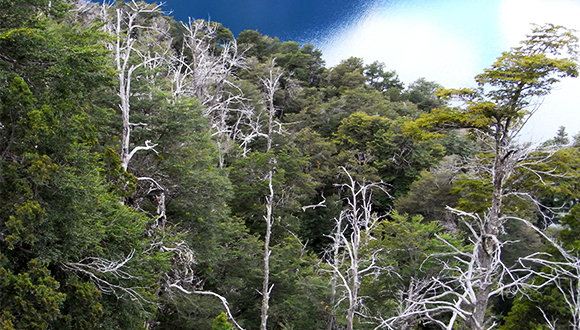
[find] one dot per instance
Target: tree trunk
(271, 85)
(266, 281)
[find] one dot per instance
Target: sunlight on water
(350, 20)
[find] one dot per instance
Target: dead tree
(348, 258)
(132, 50)
(135, 46)
(270, 84)
(106, 274)
(205, 70)
(561, 272)
(141, 51)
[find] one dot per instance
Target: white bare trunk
(266, 288)
(271, 85)
(207, 75)
(352, 233)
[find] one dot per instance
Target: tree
(495, 113)
(422, 93)
(298, 300)
(258, 46)
(271, 84)
(379, 145)
(134, 28)
(167, 168)
(204, 69)
(69, 251)
(553, 296)
(349, 74)
(257, 191)
(304, 63)
(381, 80)
(349, 257)
(221, 323)
(432, 193)
(408, 241)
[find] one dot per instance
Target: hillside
(156, 174)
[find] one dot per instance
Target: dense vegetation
(161, 175)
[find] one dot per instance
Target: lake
(296, 20)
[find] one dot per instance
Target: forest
(157, 174)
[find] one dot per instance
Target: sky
(446, 41)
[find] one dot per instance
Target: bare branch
(321, 204)
(213, 294)
(352, 234)
(99, 270)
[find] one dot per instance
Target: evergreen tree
(69, 251)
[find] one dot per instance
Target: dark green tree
(379, 147)
(71, 255)
(381, 80)
(423, 94)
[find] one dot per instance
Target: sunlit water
(297, 20)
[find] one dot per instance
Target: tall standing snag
(204, 69)
(271, 85)
(349, 264)
(146, 65)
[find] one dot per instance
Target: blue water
(297, 20)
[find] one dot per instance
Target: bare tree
(561, 272)
(271, 84)
(141, 50)
(106, 274)
(204, 70)
(139, 47)
(349, 257)
(222, 299)
(470, 277)
(133, 49)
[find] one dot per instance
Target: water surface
(297, 20)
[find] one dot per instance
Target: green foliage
(529, 309)
(18, 13)
(423, 93)
(299, 289)
(525, 313)
(403, 245)
(304, 63)
(349, 74)
(494, 113)
(221, 323)
(514, 80)
(56, 206)
(30, 300)
(571, 225)
(378, 144)
(255, 44)
(249, 186)
(65, 198)
(410, 241)
(381, 80)
(537, 65)
(429, 195)
(560, 140)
